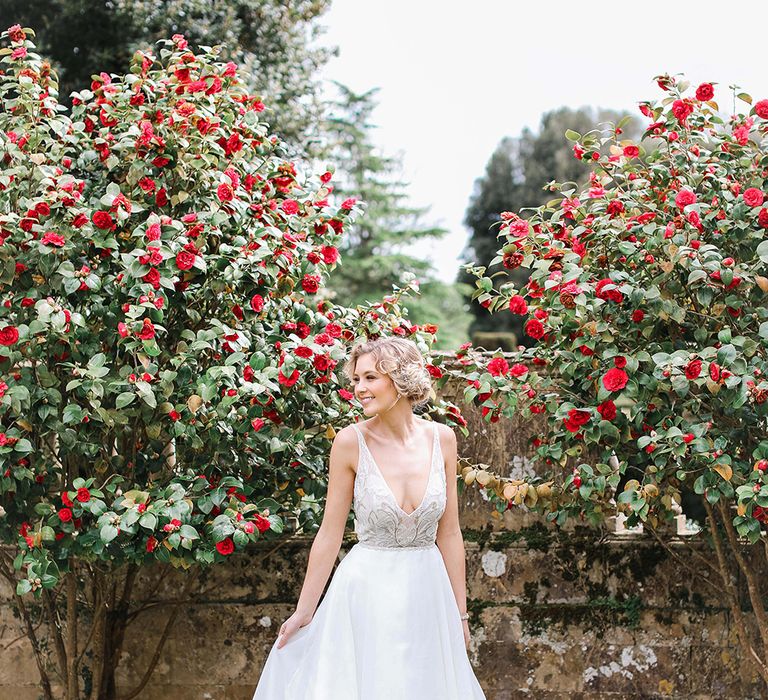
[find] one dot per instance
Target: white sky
(456, 77)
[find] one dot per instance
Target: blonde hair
(401, 360)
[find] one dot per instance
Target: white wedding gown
(388, 627)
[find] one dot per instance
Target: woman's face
(374, 390)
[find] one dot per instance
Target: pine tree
(374, 255)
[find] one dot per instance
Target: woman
(393, 622)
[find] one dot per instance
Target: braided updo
(401, 360)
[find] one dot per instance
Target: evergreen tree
(374, 255)
(516, 177)
(272, 40)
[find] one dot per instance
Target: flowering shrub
(647, 302)
(167, 356)
(168, 363)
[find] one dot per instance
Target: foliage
(168, 384)
(647, 299)
(274, 41)
(516, 178)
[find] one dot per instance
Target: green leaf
(762, 251)
(124, 398)
(148, 520)
(108, 533)
(189, 532)
(23, 587)
(572, 135)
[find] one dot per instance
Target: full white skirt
(388, 628)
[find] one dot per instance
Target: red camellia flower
(147, 331)
(681, 109)
(288, 381)
(753, 197)
(684, 198)
(103, 220)
(9, 335)
(534, 328)
(65, 515)
(257, 303)
(705, 92)
(714, 371)
(631, 151)
(290, 206)
(225, 547)
(151, 543)
(83, 495)
(310, 283)
(607, 410)
(498, 366)
(693, 370)
(330, 254)
(517, 305)
(614, 294)
(615, 379)
(518, 370)
(638, 315)
(225, 193)
(688, 437)
(576, 419)
(257, 424)
(761, 109)
(435, 372)
(347, 204)
(185, 260)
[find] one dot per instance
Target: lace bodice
(379, 521)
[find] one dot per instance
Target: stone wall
(575, 613)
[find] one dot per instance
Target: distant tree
(516, 177)
(272, 40)
(373, 248)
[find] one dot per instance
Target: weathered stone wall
(576, 613)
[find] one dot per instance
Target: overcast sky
(456, 77)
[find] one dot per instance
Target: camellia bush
(167, 360)
(647, 302)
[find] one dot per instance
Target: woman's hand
(465, 625)
(289, 627)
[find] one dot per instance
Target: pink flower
(347, 204)
(225, 192)
(185, 260)
(290, 206)
(54, 239)
(257, 303)
(684, 198)
(753, 197)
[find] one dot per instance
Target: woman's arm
(327, 542)
(449, 537)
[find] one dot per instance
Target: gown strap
(360, 445)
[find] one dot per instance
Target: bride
(393, 623)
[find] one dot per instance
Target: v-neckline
(435, 442)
